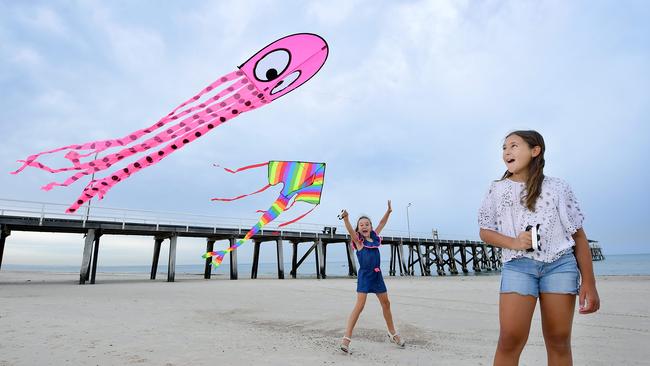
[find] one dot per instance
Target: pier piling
(4, 233)
(156, 254)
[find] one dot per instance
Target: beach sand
(46, 318)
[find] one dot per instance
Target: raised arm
(384, 219)
(353, 234)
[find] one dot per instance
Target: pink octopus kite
(271, 73)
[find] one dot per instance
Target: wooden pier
(596, 251)
(408, 256)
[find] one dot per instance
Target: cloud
(334, 13)
(26, 56)
(133, 47)
(43, 19)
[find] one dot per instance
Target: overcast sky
(412, 105)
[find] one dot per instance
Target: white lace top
(556, 210)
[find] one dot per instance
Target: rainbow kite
(276, 70)
(302, 182)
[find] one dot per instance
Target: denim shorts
(527, 276)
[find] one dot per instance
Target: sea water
(613, 265)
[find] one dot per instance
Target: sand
(46, 318)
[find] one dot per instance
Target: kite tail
(98, 146)
(243, 195)
(274, 211)
(197, 118)
(253, 166)
(101, 186)
(217, 257)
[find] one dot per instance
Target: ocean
(613, 265)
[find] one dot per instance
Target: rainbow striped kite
(302, 182)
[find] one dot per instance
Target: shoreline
(266, 276)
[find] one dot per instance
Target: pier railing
(42, 210)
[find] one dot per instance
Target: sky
(412, 105)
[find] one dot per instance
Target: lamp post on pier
(92, 178)
(408, 221)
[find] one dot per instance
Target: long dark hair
(535, 168)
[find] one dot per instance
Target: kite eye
(286, 82)
(272, 65)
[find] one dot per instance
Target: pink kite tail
(103, 185)
(99, 146)
(242, 168)
(186, 126)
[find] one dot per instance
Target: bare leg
(557, 320)
(388, 315)
(515, 315)
(354, 316)
(385, 307)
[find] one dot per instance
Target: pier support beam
(414, 250)
(294, 270)
(280, 255)
(440, 263)
(395, 260)
(485, 259)
(452, 259)
(432, 254)
(423, 270)
(463, 258)
(476, 266)
(294, 259)
(426, 258)
(324, 264)
(399, 259)
(93, 270)
(400, 255)
(156, 255)
(319, 259)
(233, 259)
(171, 267)
(85, 260)
(4, 233)
(352, 264)
(256, 259)
(493, 258)
(207, 273)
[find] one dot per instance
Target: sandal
(393, 339)
(346, 347)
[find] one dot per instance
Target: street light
(92, 177)
(408, 222)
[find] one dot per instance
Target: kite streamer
(271, 73)
(302, 181)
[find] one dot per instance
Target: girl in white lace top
(556, 271)
(556, 210)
